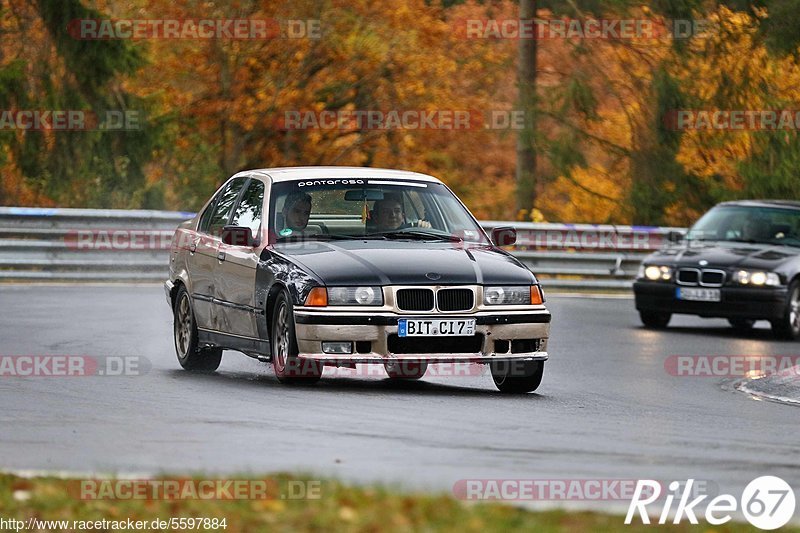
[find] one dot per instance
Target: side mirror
(238, 236)
(504, 236)
(675, 236)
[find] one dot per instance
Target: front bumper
(498, 337)
(736, 302)
(168, 286)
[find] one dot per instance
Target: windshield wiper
(748, 241)
(315, 237)
(770, 243)
(416, 235)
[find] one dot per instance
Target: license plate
(407, 327)
(698, 295)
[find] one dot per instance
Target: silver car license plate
(698, 294)
(429, 327)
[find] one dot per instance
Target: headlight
(655, 272)
(355, 296)
(510, 295)
(757, 278)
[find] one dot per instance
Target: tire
(406, 370)
(742, 324)
(184, 331)
(288, 366)
(517, 377)
(654, 319)
(788, 327)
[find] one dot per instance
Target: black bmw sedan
(336, 266)
(740, 261)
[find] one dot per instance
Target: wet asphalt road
(607, 409)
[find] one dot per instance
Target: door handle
(193, 245)
(221, 255)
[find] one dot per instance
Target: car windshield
(764, 225)
(336, 209)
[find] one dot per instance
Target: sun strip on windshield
(408, 183)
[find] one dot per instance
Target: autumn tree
(45, 68)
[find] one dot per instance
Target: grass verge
(285, 504)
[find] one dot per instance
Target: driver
(390, 215)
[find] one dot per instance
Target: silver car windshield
(369, 208)
(750, 224)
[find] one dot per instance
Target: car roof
(297, 173)
(763, 203)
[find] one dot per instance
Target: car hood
(406, 263)
(726, 255)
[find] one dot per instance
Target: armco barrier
(62, 245)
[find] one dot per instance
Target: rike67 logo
(768, 502)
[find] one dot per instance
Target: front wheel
(190, 355)
(288, 366)
(517, 376)
(654, 319)
(788, 327)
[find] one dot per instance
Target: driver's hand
(423, 224)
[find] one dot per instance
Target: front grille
(688, 276)
(455, 299)
(415, 299)
(706, 277)
(442, 345)
(712, 278)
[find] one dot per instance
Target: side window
(248, 212)
(225, 202)
(205, 218)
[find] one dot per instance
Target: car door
(205, 261)
(235, 276)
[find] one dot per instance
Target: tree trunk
(526, 83)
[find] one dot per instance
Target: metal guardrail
(118, 245)
(585, 256)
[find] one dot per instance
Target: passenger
(296, 211)
(755, 229)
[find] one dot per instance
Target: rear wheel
(517, 376)
(406, 369)
(788, 327)
(654, 319)
(743, 324)
(190, 355)
(288, 366)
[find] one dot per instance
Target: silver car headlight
(355, 296)
(512, 295)
(757, 278)
(655, 272)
